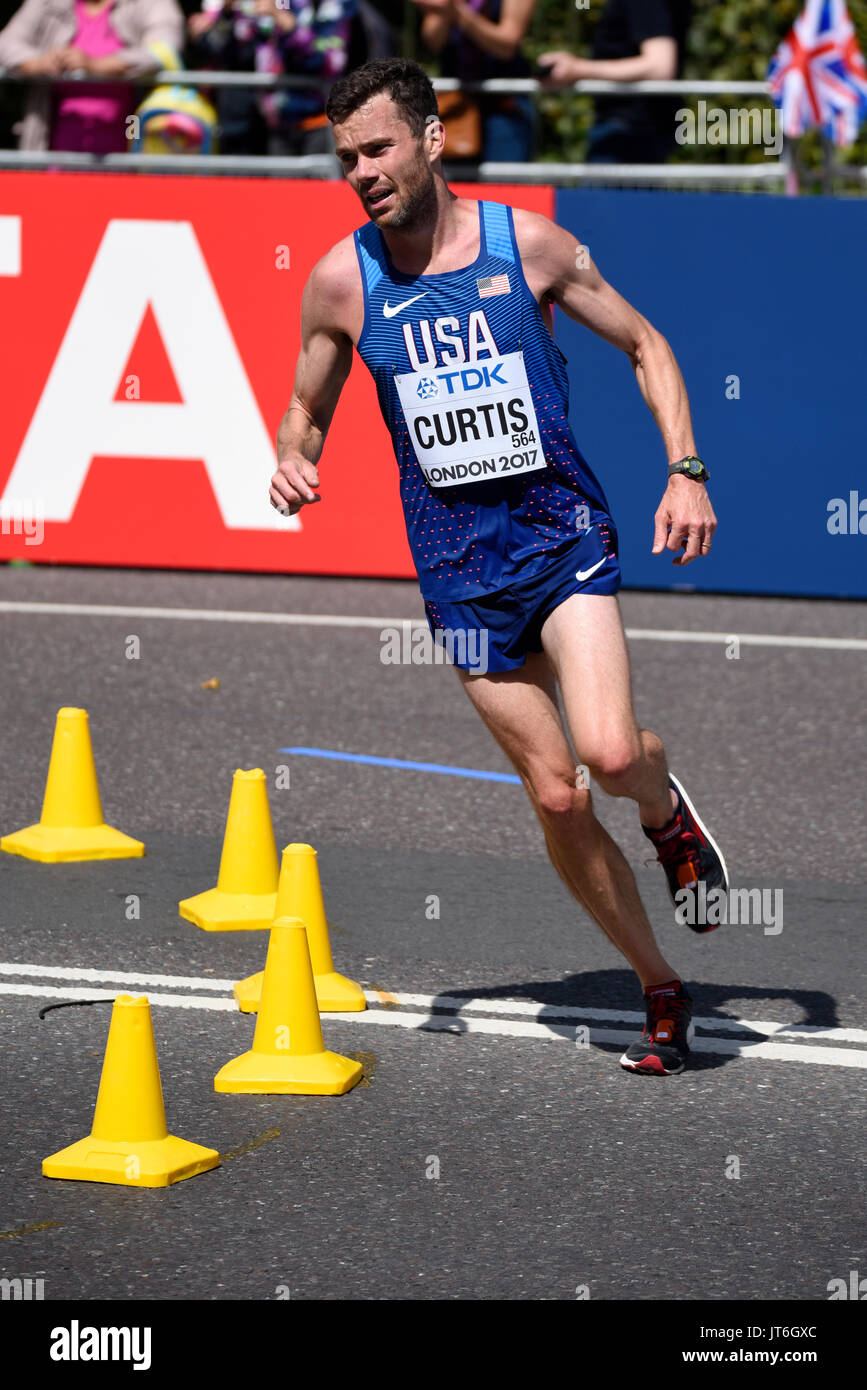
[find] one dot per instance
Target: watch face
(695, 466)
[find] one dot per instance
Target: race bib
(473, 421)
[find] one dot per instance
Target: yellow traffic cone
(130, 1143)
(246, 893)
(288, 1056)
(300, 895)
(71, 826)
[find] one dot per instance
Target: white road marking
(233, 615)
(566, 1011)
(749, 639)
(454, 1003)
(171, 1001)
(555, 1027)
(776, 1052)
(204, 615)
(67, 972)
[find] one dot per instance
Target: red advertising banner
(150, 331)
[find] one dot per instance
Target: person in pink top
(90, 115)
(109, 38)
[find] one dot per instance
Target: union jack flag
(818, 76)
(493, 284)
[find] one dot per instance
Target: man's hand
(563, 69)
(293, 483)
(684, 518)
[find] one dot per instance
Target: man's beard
(417, 206)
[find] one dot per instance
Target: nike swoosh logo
(390, 312)
(585, 574)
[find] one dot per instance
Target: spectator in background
(105, 37)
(304, 38)
(10, 92)
(378, 31)
(226, 37)
(477, 40)
(635, 41)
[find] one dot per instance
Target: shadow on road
(618, 989)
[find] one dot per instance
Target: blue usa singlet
(474, 391)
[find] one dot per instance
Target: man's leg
(585, 643)
(586, 646)
(520, 709)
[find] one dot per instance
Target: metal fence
(774, 175)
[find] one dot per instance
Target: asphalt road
(499, 1164)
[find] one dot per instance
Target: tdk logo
(471, 378)
(427, 388)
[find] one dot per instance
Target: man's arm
(323, 365)
(651, 27)
(655, 62)
(502, 37)
(560, 271)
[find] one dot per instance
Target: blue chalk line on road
(404, 764)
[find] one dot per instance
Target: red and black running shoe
(689, 855)
(663, 1047)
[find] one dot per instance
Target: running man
(449, 303)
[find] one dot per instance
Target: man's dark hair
(406, 83)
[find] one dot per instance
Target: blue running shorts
(495, 633)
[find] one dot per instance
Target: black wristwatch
(692, 467)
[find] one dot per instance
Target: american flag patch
(493, 284)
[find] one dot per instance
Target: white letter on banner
(161, 264)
